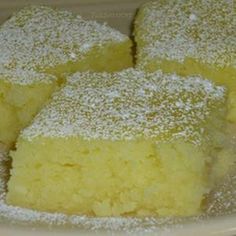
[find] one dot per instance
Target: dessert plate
(220, 217)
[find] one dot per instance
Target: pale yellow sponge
(38, 41)
(126, 143)
(22, 94)
(190, 37)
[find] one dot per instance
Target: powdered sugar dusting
(25, 77)
(37, 38)
(129, 105)
(193, 17)
(200, 29)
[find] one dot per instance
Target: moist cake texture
(125, 143)
(38, 43)
(22, 94)
(189, 38)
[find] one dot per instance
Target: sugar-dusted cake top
(128, 105)
(39, 37)
(25, 77)
(199, 29)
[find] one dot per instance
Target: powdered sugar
(38, 38)
(25, 77)
(128, 105)
(177, 30)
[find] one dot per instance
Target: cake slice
(189, 38)
(126, 143)
(38, 43)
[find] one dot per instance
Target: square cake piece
(38, 41)
(190, 37)
(126, 143)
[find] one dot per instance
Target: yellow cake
(38, 41)
(190, 37)
(125, 143)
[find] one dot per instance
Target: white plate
(220, 226)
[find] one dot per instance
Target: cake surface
(189, 38)
(125, 106)
(42, 39)
(126, 143)
(38, 43)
